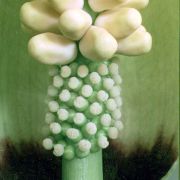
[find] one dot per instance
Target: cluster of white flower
(85, 95)
(65, 26)
(84, 108)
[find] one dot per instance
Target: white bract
(137, 43)
(138, 4)
(63, 5)
(120, 23)
(98, 44)
(113, 31)
(51, 48)
(84, 96)
(101, 5)
(74, 23)
(39, 16)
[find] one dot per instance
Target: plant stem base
(89, 168)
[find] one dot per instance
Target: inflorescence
(85, 94)
(67, 26)
(84, 108)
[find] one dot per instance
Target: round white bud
(53, 106)
(95, 108)
(86, 90)
(65, 95)
(72, 133)
(95, 78)
(63, 114)
(58, 81)
(115, 91)
(79, 118)
(65, 71)
(114, 68)
(55, 128)
(113, 132)
(47, 143)
(74, 83)
(103, 142)
(106, 120)
(84, 145)
(103, 70)
(82, 71)
(91, 128)
(58, 150)
(80, 102)
(50, 48)
(102, 95)
(111, 104)
(108, 83)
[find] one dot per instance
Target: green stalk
(89, 168)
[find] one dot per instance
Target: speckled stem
(89, 168)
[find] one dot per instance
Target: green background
(150, 87)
